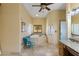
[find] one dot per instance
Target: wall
(75, 19)
(0, 21)
(74, 5)
(40, 21)
(10, 41)
(0, 27)
(27, 19)
(11, 16)
(71, 6)
(54, 18)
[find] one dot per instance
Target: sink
(75, 39)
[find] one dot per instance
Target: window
(37, 28)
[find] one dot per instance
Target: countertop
(71, 44)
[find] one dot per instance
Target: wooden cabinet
(66, 51)
(61, 49)
(72, 52)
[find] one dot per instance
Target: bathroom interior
(27, 30)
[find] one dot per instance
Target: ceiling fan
(43, 6)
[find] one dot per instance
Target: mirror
(75, 21)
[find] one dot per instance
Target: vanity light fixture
(72, 13)
(75, 11)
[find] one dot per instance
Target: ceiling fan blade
(47, 8)
(35, 5)
(40, 9)
(49, 3)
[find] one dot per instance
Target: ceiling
(34, 11)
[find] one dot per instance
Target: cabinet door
(61, 49)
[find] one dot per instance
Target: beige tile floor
(42, 49)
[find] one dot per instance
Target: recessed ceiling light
(36, 14)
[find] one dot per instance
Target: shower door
(63, 30)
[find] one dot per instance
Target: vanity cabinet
(72, 52)
(66, 51)
(61, 49)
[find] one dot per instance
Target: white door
(63, 29)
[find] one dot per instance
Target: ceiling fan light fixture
(43, 6)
